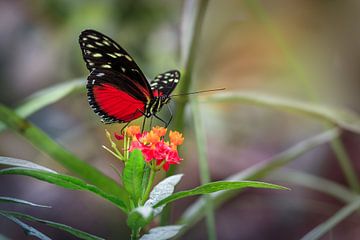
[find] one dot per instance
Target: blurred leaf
(72, 231)
(161, 191)
(323, 185)
(20, 201)
(66, 182)
(23, 163)
(196, 211)
(140, 217)
(162, 233)
(46, 97)
(340, 117)
(330, 223)
(28, 230)
(133, 175)
(45, 144)
(218, 186)
(2, 237)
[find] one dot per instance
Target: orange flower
(132, 131)
(160, 131)
(152, 137)
(176, 138)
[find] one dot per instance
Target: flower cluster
(153, 145)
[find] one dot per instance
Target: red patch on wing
(157, 93)
(117, 103)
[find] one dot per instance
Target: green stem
(149, 185)
(185, 84)
(135, 234)
(204, 167)
(300, 71)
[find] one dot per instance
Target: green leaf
(343, 118)
(195, 212)
(145, 178)
(47, 96)
(73, 231)
(48, 146)
(23, 163)
(140, 217)
(133, 174)
(218, 186)
(162, 233)
(20, 201)
(29, 231)
(330, 223)
(161, 191)
(65, 181)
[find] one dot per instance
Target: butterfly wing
(117, 89)
(114, 97)
(163, 84)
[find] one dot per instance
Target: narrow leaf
(29, 231)
(20, 201)
(218, 186)
(330, 223)
(140, 217)
(23, 163)
(133, 174)
(196, 211)
(47, 96)
(161, 191)
(343, 118)
(48, 146)
(162, 233)
(73, 231)
(65, 181)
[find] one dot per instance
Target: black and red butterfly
(117, 89)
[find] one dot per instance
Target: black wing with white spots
(101, 52)
(163, 84)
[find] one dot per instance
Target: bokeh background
(307, 50)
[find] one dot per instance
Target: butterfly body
(117, 89)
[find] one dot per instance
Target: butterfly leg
(151, 120)
(143, 124)
(122, 129)
(171, 115)
(160, 119)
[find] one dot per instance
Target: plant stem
(336, 144)
(149, 185)
(204, 167)
(135, 234)
(185, 82)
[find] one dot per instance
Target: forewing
(163, 84)
(118, 102)
(102, 53)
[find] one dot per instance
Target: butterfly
(117, 89)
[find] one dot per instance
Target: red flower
(153, 146)
(119, 137)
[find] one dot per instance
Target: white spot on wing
(93, 37)
(97, 55)
(111, 55)
(100, 74)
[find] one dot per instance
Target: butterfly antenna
(202, 91)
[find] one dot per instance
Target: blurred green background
(308, 50)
